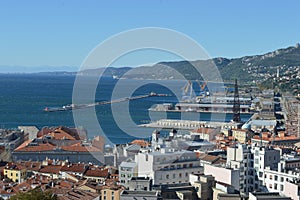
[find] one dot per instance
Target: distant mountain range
(247, 68)
(38, 69)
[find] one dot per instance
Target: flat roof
(128, 164)
(196, 105)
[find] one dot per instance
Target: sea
(23, 98)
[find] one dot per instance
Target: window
(186, 174)
(256, 152)
(174, 175)
(276, 177)
(167, 176)
(281, 187)
(180, 175)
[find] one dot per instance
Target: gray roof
(259, 122)
(128, 164)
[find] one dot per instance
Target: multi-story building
(127, 170)
(111, 193)
(228, 176)
(203, 185)
(241, 135)
(240, 157)
(292, 189)
(275, 180)
(166, 166)
(264, 157)
(206, 133)
(14, 172)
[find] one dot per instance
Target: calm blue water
(23, 98)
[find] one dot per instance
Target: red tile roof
(65, 184)
(80, 168)
(14, 166)
(38, 148)
(51, 169)
(22, 187)
(204, 130)
(96, 172)
(80, 148)
(142, 143)
(60, 135)
(30, 165)
(210, 158)
(73, 132)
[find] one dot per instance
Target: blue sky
(63, 32)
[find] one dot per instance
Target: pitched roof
(60, 135)
(22, 187)
(204, 130)
(73, 168)
(80, 148)
(36, 148)
(14, 166)
(39, 147)
(141, 143)
(51, 169)
(75, 194)
(210, 158)
(73, 132)
(96, 172)
(31, 165)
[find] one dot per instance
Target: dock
(81, 106)
(188, 124)
(201, 108)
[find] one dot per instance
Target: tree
(35, 194)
